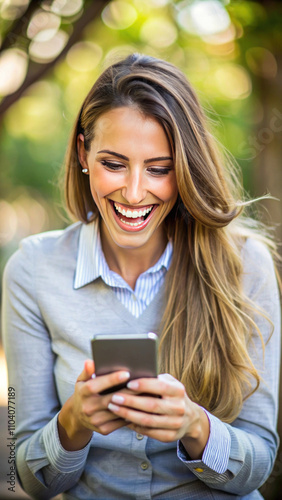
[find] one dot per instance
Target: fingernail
(124, 375)
(133, 384)
(118, 399)
(113, 407)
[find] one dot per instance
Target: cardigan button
(144, 465)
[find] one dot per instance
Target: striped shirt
(91, 264)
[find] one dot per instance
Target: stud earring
(85, 170)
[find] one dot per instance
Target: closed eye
(112, 165)
(159, 170)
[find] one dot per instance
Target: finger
(151, 420)
(102, 418)
(111, 427)
(172, 406)
(96, 411)
(88, 371)
(159, 386)
(103, 382)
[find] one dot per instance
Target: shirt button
(198, 469)
(134, 297)
(139, 436)
(144, 466)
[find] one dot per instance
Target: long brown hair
(207, 321)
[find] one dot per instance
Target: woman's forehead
(129, 128)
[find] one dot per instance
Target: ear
(82, 153)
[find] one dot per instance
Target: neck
(129, 263)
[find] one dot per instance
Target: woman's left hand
(169, 417)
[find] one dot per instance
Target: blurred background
(52, 51)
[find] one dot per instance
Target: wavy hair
(207, 323)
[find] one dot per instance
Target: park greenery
(52, 52)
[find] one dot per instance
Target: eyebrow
(123, 157)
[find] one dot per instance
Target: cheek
(169, 192)
(102, 184)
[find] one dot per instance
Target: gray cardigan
(47, 326)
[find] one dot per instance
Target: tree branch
(37, 71)
(19, 27)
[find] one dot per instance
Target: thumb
(88, 371)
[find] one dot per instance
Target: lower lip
(133, 229)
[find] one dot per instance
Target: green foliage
(226, 66)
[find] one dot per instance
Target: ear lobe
(82, 154)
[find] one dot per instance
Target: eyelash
(153, 170)
(112, 166)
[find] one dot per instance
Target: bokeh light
(158, 32)
(43, 26)
(8, 222)
(13, 68)
(233, 81)
(222, 37)
(117, 53)
(21, 217)
(262, 62)
(66, 8)
(46, 51)
(10, 10)
(35, 116)
(203, 17)
(119, 15)
(84, 56)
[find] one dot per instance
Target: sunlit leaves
(222, 47)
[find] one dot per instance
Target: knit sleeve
(43, 466)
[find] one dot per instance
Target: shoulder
(42, 249)
(256, 253)
(52, 240)
(258, 267)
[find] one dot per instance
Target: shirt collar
(88, 251)
(91, 262)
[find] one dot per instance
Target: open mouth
(134, 218)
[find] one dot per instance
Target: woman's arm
(40, 457)
(52, 442)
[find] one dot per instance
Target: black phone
(136, 353)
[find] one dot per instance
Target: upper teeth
(133, 214)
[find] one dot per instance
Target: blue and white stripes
(91, 264)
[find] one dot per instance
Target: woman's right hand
(86, 410)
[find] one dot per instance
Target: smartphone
(136, 353)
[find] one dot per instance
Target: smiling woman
(161, 246)
(133, 183)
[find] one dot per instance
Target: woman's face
(132, 177)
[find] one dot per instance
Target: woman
(161, 247)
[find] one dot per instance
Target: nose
(134, 190)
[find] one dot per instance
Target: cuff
(216, 453)
(64, 461)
